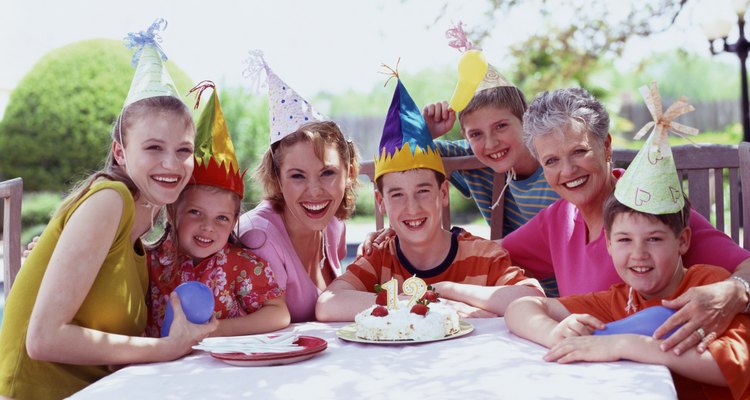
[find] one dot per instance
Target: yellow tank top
(115, 303)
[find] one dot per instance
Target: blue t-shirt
(523, 198)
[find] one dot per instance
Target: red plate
(311, 346)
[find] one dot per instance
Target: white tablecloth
(489, 363)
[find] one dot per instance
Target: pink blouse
(262, 230)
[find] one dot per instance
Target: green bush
(38, 207)
(36, 210)
(365, 200)
(57, 123)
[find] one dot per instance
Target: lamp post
(720, 30)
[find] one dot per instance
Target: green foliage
(38, 207)
(56, 125)
(732, 135)
(36, 210)
(247, 120)
(365, 200)
(463, 209)
(425, 87)
(680, 73)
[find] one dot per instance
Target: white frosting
(401, 324)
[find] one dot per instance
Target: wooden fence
(708, 115)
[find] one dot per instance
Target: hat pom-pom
(255, 67)
(149, 37)
(458, 39)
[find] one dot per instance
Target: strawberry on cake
(423, 321)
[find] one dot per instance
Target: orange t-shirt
(730, 350)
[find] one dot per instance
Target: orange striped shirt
(471, 260)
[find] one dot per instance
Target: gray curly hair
(563, 109)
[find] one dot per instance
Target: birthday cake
(381, 323)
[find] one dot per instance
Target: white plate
(349, 333)
(311, 346)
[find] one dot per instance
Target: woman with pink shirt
(309, 181)
(568, 132)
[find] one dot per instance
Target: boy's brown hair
(438, 176)
(507, 97)
(675, 221)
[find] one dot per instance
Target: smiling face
(158, 156)
(312, 188)
(575, 166)
(413, 201)
(496, 137)
(205, 218)
(647, 253)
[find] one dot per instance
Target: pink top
(262, 230)
(553, 243)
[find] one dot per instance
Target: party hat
(288, 109)
(151, 77)
(474, 72)
(650, 184)
(215, 161)
(406, 142)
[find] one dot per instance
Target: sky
(315, 45)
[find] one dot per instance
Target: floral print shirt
(240, 280)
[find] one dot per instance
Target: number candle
(392, 288)
(415, 287)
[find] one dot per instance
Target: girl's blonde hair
(319, 134)
(111, 169)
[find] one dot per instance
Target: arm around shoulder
(71, 272)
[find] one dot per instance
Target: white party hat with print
(288, 110)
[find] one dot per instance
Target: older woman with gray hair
(568, 132)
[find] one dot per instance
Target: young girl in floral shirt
(203, 247)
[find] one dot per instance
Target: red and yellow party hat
(215, 160)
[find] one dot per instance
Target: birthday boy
(646, 236)
(472, 274)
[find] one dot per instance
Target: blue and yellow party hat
(406, 142)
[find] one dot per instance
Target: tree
(57, 124)
(247, 120)
(576, 38)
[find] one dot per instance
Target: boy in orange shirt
(647, 232)
(471, 274)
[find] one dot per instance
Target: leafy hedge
(246, 114)
(57, 123)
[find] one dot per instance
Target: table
(488, 363)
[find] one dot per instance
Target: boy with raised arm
(471, 274)
(490, 112)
